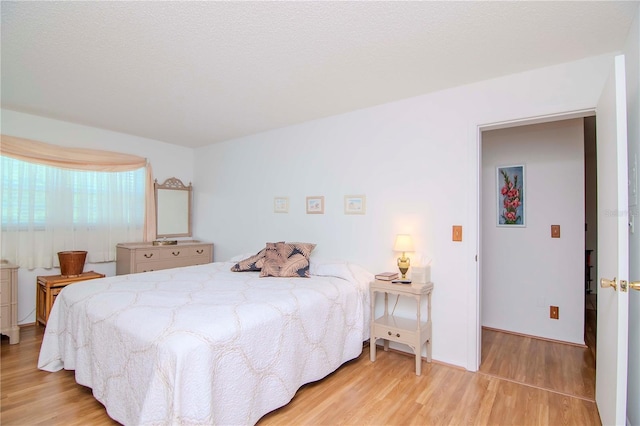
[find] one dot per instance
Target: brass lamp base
(403, 264)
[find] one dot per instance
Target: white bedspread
(202, 345)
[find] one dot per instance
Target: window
(47, 209)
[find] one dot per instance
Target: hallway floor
(554, 366)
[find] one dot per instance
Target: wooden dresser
(9, 301)
(49, 286)
(143, 257)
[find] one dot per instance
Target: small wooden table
(49, 286)
(412, 332)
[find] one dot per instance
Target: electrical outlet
(554, 312)
(555, 231)
(457, 233)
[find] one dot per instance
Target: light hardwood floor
(559, 367)
(360, 392)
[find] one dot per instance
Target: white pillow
(317, 264)
(238, 258)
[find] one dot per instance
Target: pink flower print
(511, 199)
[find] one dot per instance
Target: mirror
(173, 208)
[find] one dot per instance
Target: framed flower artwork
(511, 196)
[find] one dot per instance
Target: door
(613, 249)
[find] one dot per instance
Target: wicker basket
(71, 262)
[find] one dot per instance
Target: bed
(202, 345)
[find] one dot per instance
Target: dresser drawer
(168, 264)
(158, 266)
(148, 266)
(179, 252)
(5, 316)
(147, 255)
(174, 252)
(201, 252)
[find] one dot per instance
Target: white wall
(524, 270)
(166, 159)
(417, 162)
(632, 57)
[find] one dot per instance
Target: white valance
(79, 159)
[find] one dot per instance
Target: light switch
(457, 233)
(555, 231)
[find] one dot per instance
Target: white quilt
(202, 345)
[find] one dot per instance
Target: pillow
(316, 263)
(237, 258)
(252, 263)
(287, 260)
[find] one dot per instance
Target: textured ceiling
(195, 73)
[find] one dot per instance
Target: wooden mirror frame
(171, 207)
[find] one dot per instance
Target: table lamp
(404, 243)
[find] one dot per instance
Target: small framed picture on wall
(281, 205)
(315, 205)
(355, 204)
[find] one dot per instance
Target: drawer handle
(175, 253)
(148, 256)
(397, 334)
(200, 251)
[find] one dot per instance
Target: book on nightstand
(386, 276)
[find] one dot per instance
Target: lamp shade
(403, 243)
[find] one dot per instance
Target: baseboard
(579, 345)
(412, 355)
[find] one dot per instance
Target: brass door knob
(635, 285)
(604, 283)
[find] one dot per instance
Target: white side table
(412, 332)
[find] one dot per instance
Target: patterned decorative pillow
(287, 260)
(253, 263)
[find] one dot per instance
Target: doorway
(525, 270)
(591, 232)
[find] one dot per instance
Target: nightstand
(49, 286)
(412, 332)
